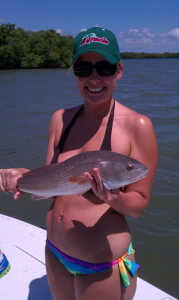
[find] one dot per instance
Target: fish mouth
(137, 178)
(126, 182)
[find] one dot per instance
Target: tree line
(149, 55)
(28, 49)
(21, 49)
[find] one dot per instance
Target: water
(150, 86)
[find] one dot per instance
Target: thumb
(17, 194)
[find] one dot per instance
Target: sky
(139, 25)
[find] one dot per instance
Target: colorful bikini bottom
(77, 267)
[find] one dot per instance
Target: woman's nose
(94, 74)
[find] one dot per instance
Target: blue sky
(140, 25)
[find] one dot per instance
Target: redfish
(67, 177)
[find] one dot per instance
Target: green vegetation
(149, 55)
(20, 49)
(26, 49)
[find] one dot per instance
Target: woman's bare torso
(83, 226)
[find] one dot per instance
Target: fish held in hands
(67, 177)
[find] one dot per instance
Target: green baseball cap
(98, 40)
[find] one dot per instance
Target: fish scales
(67, 177)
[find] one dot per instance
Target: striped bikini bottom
(77, 267)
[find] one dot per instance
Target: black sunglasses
(85, 68)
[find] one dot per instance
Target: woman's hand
(8, 180)
(98, 187)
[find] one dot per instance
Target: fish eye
(130, 167)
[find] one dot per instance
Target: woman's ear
(119, 71)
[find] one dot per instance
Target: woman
(89, 254)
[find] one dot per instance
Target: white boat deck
(24, 244)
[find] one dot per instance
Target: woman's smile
(95, 90)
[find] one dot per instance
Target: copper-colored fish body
(67, 177)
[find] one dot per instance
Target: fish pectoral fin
(38, 197)
(78, 179)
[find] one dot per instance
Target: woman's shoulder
(132, 118)
(64, 114)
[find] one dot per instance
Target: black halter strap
(106, 144)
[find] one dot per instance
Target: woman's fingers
(98, 187)
(8, 180)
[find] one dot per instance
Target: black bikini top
(106, 144)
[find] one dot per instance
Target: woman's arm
(9, 177)
(8, 180)
(54, 134)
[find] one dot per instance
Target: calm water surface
(27, 100)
